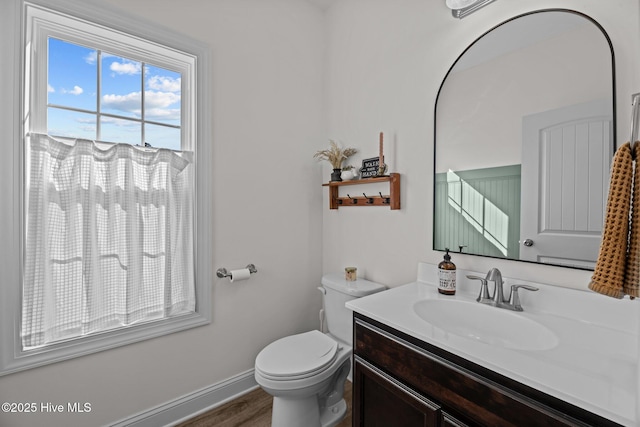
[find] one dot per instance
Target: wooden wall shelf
(392, 199)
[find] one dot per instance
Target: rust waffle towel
(609, 274)
(632, 272)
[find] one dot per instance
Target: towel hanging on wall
(632, 273)
(609, 274)
(632, 269)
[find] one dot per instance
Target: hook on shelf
(385, 200)
(353, 201)
(369, 199)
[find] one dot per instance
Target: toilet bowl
(305, 373)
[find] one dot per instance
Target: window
(111, 187)
(89, 81)
(97, 95)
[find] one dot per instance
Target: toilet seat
(297, 356)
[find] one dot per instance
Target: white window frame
(133, 39)
(43, 23)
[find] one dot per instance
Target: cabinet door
(379, 400)
(449, 421)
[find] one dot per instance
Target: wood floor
(253, 409)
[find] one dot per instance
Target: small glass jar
(350, 274)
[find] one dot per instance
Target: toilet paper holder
(223, 272)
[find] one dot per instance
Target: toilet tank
(337, 291)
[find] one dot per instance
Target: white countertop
(594, 365)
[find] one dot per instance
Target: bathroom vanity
(568, 360)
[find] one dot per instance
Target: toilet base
(333, 414)
(305, 412)
(323, 408)
(295, 412)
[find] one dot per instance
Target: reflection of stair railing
(478, 211)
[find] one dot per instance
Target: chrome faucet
(497, 299)
(495, 276)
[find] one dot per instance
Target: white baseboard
(193, 404)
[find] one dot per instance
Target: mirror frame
(435, 123)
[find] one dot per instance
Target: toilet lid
(297, 355)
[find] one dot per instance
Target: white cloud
(130, 68)
(160, 99)
(120, 123)
(91, 57)
(162, 114)
(50, 88)
(77, 90)
(157, 104)
(165, 84)
(129, 102)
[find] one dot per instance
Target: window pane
(162, 136)
(71, 75)
(72, 124)
(120, 130)
(121, 86)
(162, 95)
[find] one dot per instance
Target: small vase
(347, 175)
(335, 175)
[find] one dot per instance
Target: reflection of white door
(566, 156)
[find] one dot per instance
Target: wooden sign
(370, 167)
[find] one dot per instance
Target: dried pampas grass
(335, 155)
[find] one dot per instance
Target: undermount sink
(486, 324)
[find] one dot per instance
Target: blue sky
(72, 82)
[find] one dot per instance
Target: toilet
(305, 373)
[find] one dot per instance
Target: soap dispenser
(447, 275)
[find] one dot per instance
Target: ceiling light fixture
(462, 8)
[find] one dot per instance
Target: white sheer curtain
(109, 238)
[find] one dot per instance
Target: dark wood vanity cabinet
(383, 401)
(401, 381)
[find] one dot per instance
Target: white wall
(386, 62)
(267, 122)
(282, 72)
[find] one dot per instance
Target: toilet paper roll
(237, 275)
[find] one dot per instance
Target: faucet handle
(514, 298)
(484, 289)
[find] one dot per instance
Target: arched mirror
(524, 135)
